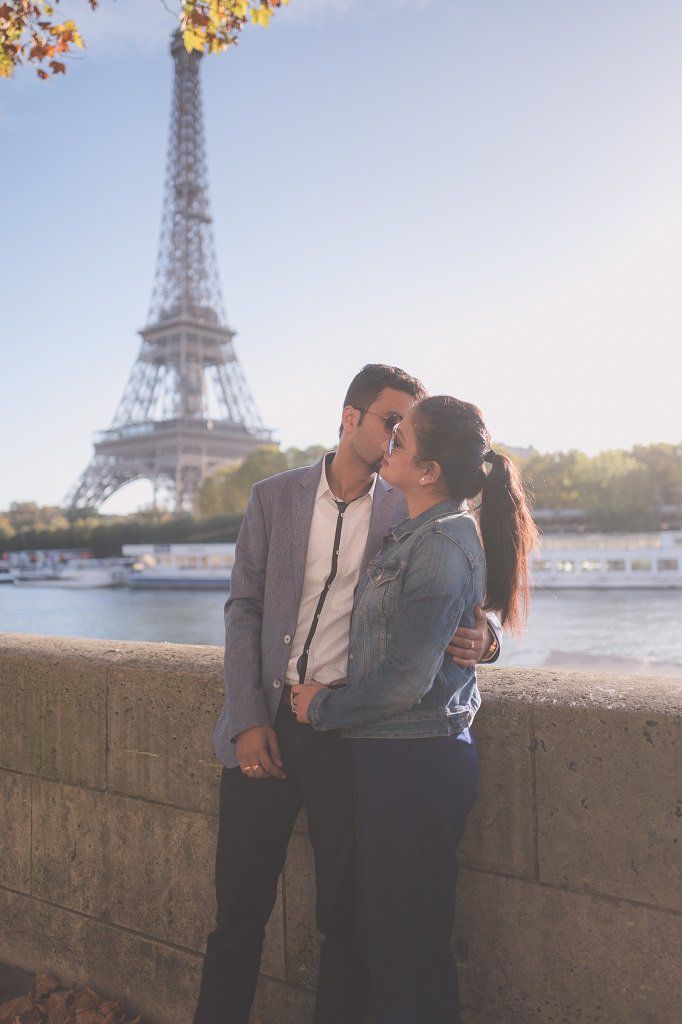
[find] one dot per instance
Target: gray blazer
(265, 593)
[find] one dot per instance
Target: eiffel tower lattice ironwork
(186, 407)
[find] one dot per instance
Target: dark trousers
(256, 819)
(412, 800)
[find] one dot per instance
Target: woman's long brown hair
(453, 434)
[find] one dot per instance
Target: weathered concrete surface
(609, 804)
(15, 831)
(499, 833)
(155, 979)
(534, 954)
(159, 741)
(569, 892)
(130, 862)
(57, 707)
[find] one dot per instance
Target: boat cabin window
(641, 565)
(616, 565)
(542, 565)
(589, 566)
(668, 565)
(565, 566)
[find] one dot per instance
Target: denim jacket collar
(443, 508)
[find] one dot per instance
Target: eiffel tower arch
(187, 407)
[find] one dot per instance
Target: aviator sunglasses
(390, 422)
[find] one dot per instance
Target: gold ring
(473, 645)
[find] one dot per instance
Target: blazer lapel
(302, 507)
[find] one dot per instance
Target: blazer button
(287, 639)
(276, 683)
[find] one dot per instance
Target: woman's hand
(301, 697)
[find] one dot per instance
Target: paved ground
(14, 982)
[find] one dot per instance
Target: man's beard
(376, 466)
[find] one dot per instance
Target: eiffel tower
(186, 407)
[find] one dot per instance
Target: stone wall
(569, 898)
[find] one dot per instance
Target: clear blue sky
(488, 194)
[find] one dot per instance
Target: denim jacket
(424, 583)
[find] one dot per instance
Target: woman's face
(401, 468)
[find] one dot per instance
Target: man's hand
(258, 753)
(468, 646)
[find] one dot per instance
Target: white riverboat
(619, 561)
(180, 566)
(72, 568)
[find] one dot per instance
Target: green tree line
(617, 490)
(217, 517)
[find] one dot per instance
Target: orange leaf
(57, 1010)
(57, 67)
(88, 1017)
(85, 1000)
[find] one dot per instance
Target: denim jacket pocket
(380, 595)
(380, 574)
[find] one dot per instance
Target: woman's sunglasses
(395, 445)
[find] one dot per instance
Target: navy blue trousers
(412, 798)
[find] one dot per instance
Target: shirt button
(276, 683)
(287, 639)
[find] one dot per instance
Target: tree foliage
(617, 490)
(31, 32)
(106, 535)
(212, 26)
(24, 515)
(226, 491)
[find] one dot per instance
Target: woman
(407, 708)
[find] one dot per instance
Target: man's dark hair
(367, 385)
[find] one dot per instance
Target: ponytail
(509, 535)
(453, 434)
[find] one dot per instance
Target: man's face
(369, 436)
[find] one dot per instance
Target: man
(306, 537)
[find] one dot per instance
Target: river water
(626, 630)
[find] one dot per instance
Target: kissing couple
(354, 626)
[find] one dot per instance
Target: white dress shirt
(328, 651)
